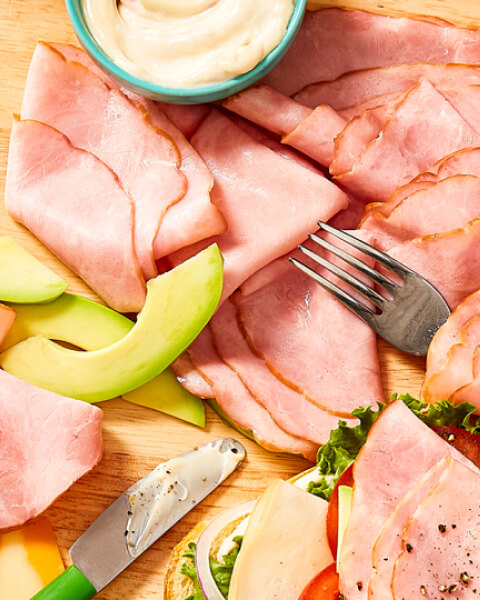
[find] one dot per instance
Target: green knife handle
(70, 585)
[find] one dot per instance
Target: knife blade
(141, 515)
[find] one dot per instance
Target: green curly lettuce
(221, 571)
(344, 444)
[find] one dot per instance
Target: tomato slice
(466, 443)
(323, 586)
(332, 512)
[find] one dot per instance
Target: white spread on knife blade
(157, 501)
(189, 43)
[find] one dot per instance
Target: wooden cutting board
(137, 439)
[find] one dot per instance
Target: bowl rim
(86, 38)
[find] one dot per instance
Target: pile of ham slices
(413, 527)
(362, 109)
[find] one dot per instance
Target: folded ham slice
(190, 378)
(194, 217)
(448, 335)
(47, 442)
(300, 330)
(399, 450)
(288, 408)
(449, 204)
(450, 261)
(470, 392)
(421, 129)
(441, 548)
(356, 87)
(269, 203)
(186, 118)
(70, 98)
(311, 132)
(367, 40)
(73, 203)
(389, 543)
(458, 369)
(238, 405)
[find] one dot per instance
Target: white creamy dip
(187, 43)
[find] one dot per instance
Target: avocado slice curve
(179, 304)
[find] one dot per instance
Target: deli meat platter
(136, 438)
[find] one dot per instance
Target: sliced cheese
(284, 546)
(29, 560)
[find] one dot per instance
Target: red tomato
(466, 443)
(332, 513)
(323, 586)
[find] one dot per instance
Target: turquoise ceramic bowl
(207, 93)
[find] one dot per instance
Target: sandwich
(390, 512)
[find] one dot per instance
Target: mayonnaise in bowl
(187, 43)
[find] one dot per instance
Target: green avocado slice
(91, 326)
(179, 304)
(25, 279)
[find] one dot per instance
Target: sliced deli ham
(451, 203)
(311, 132)
(356, 87)
(269, 203)
(194, 217)
(47, 442)
(450, 261)
(238, 405)
(399, 450)
(332, 42)
(288, 408)
(70, 98)
(389, 543)
(441, 547)
(448, 335)
(73, 203)
(421, 129)
(300, 331)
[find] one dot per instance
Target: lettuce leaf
(221, 571)
(344, 444)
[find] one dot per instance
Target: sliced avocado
(345, 493)
(25, 279)
(166, 394)
(178, 306)
(70, 318)
(91, 326)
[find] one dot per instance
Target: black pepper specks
(442, 528)
(409, 548)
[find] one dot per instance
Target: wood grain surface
(137, 439)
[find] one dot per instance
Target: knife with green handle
(140, 516)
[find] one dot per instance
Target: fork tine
(387, 261)
(386, 283)
(372, 295)
(354, 305)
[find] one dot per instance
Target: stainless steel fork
(408, 319)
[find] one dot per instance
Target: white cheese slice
(284, 547)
